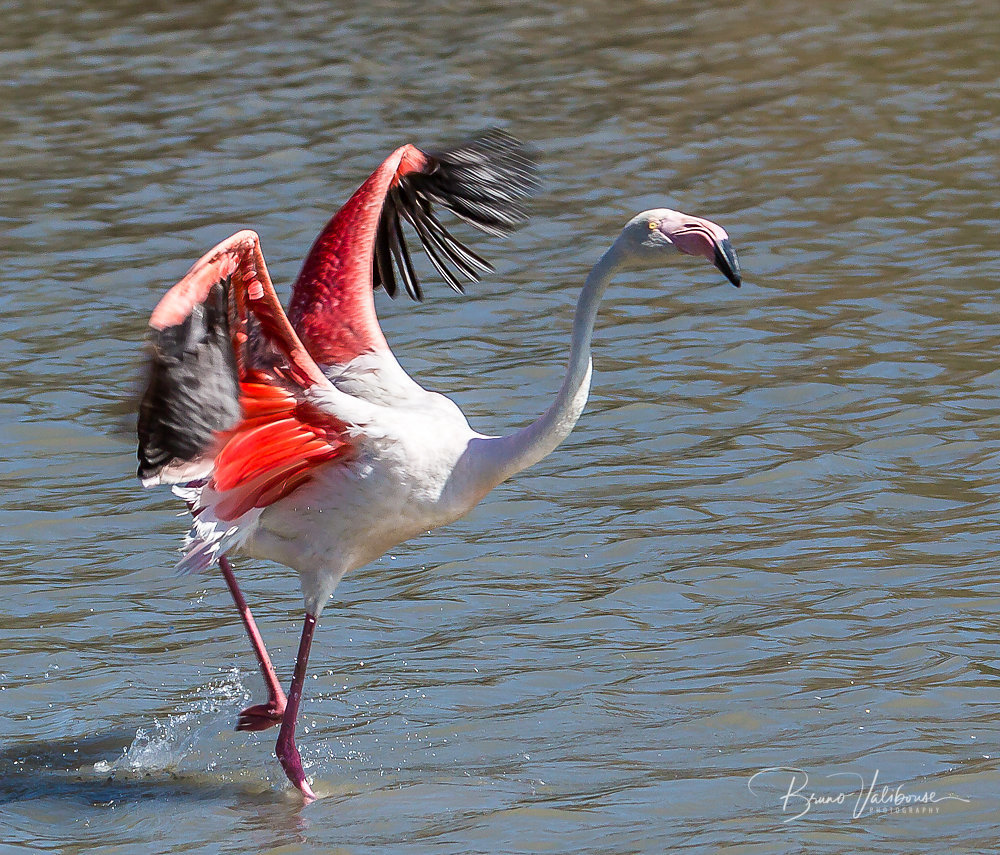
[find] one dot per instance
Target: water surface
(771, 541)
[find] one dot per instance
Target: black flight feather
(193, 388)
(486, 182)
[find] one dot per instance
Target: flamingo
(299, 438)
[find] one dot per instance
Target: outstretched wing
(227, 404)
(485, 182)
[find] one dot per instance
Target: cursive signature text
(866, 798)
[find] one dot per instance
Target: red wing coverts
(273, 450)
(225, 400)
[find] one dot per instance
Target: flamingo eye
(653, 224)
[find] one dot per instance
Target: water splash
(169, 742)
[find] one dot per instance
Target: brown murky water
(771, 542)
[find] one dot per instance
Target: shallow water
(770, 542)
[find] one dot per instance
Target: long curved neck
(508, 455)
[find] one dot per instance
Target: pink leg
(287, 753)
(259, 716)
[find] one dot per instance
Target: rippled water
(771, 542)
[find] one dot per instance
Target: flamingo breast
(406, 477)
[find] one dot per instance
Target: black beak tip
(727, 262)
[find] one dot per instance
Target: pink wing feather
(333, 306)
(247, 428)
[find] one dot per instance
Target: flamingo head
(647, 236)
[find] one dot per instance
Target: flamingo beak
(727, 262)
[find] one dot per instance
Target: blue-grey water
(772, 540)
